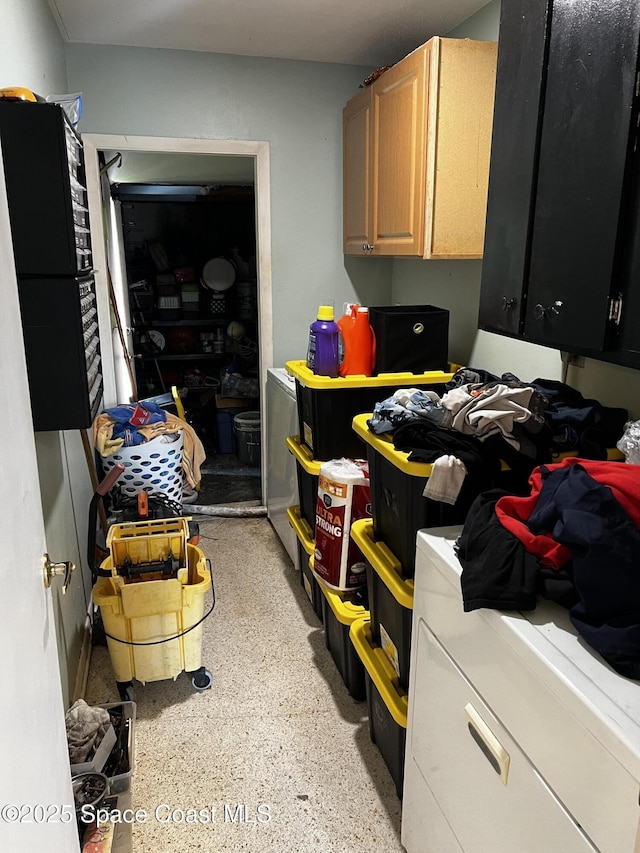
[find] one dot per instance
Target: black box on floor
(307, 472)
(339, 612)
(387, 704)
(390, 600)
(411, 338)
(326, 407)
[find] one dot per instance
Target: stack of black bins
(326, 408)
(308, 472)
(388, 543)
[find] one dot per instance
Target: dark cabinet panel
(60, 329)
(562, 215)
(584, 144)
(44, 172)
(629, 328)
(514, 156)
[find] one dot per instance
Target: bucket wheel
(201, 679)
(126, 691)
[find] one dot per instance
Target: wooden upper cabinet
(416, 154)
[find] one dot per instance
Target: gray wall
(31, 50)
(456, 285)
(297, 108)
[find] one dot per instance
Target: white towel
(445, 482)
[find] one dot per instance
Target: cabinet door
(493, 798)
(356, 129)
(584, 145)
(629, 332)
(514, 149)
(399, 155)
(462, 85)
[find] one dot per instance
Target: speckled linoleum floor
(277, 735)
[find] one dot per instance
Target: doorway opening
(186, 246)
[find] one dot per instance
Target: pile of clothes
(483, 420)
(568, 531)
(131, 425)
(574, 539)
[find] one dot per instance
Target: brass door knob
(52, 570)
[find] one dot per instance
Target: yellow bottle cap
(325, 312)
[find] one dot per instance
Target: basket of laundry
(151, 594)
(160, 452)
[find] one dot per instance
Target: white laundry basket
(155, 466)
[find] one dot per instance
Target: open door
(36, 803)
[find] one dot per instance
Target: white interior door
(36, 803)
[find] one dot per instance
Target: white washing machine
(519, 736)
(282, 478)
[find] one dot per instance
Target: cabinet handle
(367, 248)
(491, 747)
(507, 303)
(542, 313)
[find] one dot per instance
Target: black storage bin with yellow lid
(305, 552)
(327, 406)
(308, 473)
(411, 338)
(387, 702)
(398, 506)
(339, 612)
(390, 600)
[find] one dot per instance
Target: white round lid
(218, 274)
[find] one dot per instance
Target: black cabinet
(561, 202)
(46, 192)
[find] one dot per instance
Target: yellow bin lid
(345, 611)
(383, 561)
(301, 529)
(303, 455)
(380, 671)
(308, 379)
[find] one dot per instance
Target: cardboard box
(233, 402)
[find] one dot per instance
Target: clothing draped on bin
(580, 521)
(520, 423)
(113, 430)
(86, 726)
(431, 428)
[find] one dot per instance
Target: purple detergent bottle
(324, 334)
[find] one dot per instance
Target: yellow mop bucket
(154, 627)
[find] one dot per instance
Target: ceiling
(354, 32)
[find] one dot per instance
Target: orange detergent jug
(358, 341)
